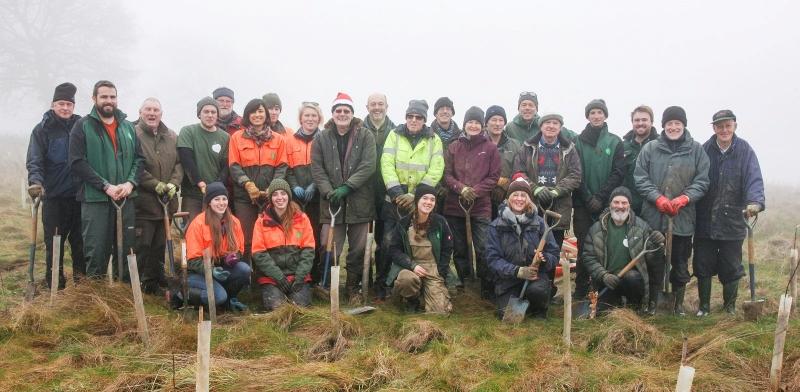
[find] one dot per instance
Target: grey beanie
(418, 106)
(473, 113)
(205, 101)
(272, 100)
(528, 96)
(279, 184)
(443, 102)
(495, 110)
(223, 92)
(620, 191)
(551, 116)
(596, 104)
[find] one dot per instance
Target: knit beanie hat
(422, 190)
(342, 99)
(65, 92)
(279, 184)
(223, 92)
(495, 110)
(272, 100)
(528, 96)
(418, 106)
(443, 102)
(213, 190)
(473, 113)
(673, 113)
(519, 184)
(205, 101)
(620, 191)
(597, 104)
(551, 116)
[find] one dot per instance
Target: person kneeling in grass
(283, 249)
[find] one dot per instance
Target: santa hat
(342, 99)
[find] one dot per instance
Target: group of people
(262, 198)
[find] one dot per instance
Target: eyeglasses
(343, 111)
(310, 103)
(414, 117)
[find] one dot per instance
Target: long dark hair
(221, 226)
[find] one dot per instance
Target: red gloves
(678, 203)
(664, 206)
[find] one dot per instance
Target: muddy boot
(353, 289)
(411, 305)
(487, 290)
(704, 292)
(730, 291)
(679, 293)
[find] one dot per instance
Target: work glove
(441, 193)
(611, 281)
(202, 186)
(543, 196)
(527, 273)
(498, 194)
(656, 238)
(297, 285)
(35, 190)
(406, 201)
(235, 305)
(310, 191)
(678, 203)
(161, 187)
(664, 206)
(231, 259)
(252, 191)
(339, 194)
(171, 190)
(503, 182)
(284, 285)
(752, 210)
(468, 194)
(220, 275)
(299, 193)
(594, 204)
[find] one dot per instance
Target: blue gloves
(310, 190)
(299, 193)
(220, 274)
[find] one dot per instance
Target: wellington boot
(679, 293)
(704, 292)
(730, 291)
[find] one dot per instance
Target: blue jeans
(230, 288)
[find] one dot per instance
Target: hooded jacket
(47, 161)
(474, 162)
(632, 148)
(404, 164)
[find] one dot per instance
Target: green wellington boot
(704, 292)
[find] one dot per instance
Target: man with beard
(227, 120)
(736, 184)
(602, 170)
(525, 125)
(642, 132)
(612, 242)
(672, 175)
(161, 177)
(106, 158)
(49, 177)
(274, 108)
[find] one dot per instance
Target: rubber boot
(353, 289)
(679, 293)
(704, 292)
(730, 291)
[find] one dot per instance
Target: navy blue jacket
(48, 153)
(735, 182)
(506, 251)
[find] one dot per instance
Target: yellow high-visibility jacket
(402, 164)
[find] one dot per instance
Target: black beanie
(620, 191)
(473, 113)
(422, 190)
(495, 110)
(65, 92)
(597, 104)
(673, 113)
(441, 103)
(213, 190)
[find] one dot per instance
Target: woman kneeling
(283, 249)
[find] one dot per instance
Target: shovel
(120, 252)
(181, 221)
(329, 248)
(754, 307)
(30, 290)
(470, 245)
(633, 262)
(667, 300)
(164, 201)
(516, 307)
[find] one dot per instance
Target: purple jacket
(473, 162)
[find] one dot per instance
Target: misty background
(704, 56)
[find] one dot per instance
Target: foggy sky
(703, 56)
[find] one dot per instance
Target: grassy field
(87, 339)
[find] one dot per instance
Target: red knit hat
(519, 183)
(342, 99)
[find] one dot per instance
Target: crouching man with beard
(613, 241)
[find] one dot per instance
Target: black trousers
(582, 220)
(537, 293)
(631, 287)
(63, 215)
(718, 257)
(150, 245)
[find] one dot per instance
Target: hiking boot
(412, 305)
(235, 306)
(651, 308)
(704, 292)
(174, 299)
(678, 310)
(730, 291)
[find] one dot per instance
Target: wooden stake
(781, 327)
(212, 302)
(567, 292)
(55, 272)
(23, 192)
(793, 282)
(138, 304)
(110, 270)
(203, 353)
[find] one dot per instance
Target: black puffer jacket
(48, 156)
